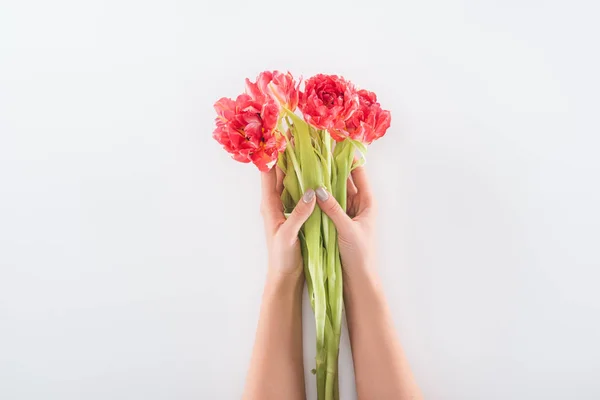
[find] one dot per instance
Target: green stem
(312, 177)
(312, 161)
(330, 245)
(294, 161)
(342, 158)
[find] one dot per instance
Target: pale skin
(276, 369)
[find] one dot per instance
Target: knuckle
(295, 212)
(285, 235)
(334, 207)
(300, 209)
(371, 209)
(375, 207)
(373, 202)
(283, 232)
(265, 210)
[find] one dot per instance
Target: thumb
(332, 208)
(301, 212)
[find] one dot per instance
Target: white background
(131, 250)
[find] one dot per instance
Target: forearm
(276, 368)
(381, 368)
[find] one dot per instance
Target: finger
(279, 181)
(359, 176)
(271, 206)
(332, 208)
(300, 214)
(351, 187)
(360, 179)
(268, 181)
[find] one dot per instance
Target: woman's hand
(381, 368)
(285, 258)
(276, 369)
(356, 228)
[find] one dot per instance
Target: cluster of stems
(313, 159)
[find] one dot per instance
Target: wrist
(365, 298)
(281, 283)
(360, 272)
(361, 279)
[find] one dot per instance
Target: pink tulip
(276, 85)
(246, 129)
(327, 102)
(370, 122)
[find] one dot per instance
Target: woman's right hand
(356, 228)
(381, 368)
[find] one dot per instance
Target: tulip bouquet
(315, 148)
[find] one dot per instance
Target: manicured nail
(322, 194)
(308, 196)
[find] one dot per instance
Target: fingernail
(308, 196)
(322, 194)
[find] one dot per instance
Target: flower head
(276, 85)
(370, 122)
(246, 128)
(327, 102)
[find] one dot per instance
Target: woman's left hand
(285, 258)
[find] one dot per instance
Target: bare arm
(381, 369)
(276, 368)
(380, 366)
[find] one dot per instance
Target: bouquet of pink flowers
(313, 150)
